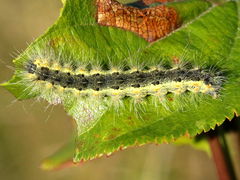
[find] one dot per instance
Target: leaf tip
(49, 165)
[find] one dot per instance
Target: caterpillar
(128, 82)
(88, 91)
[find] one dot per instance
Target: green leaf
(62, 158)
(198, 144)
(208, 37)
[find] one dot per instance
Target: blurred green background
(31, 130)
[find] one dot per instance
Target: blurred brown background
(29, 131)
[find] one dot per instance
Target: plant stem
(219, 158)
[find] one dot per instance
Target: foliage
(209, 36)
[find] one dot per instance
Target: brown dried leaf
(150, 23)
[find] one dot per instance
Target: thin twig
(219, 159)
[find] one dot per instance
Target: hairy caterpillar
(87, 90)
(128, 82)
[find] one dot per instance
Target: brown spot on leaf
(116, 130)
(59, 41)
(97, 135)
(187, 135)
(150, 23)
(110, 137)
(176, 60)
